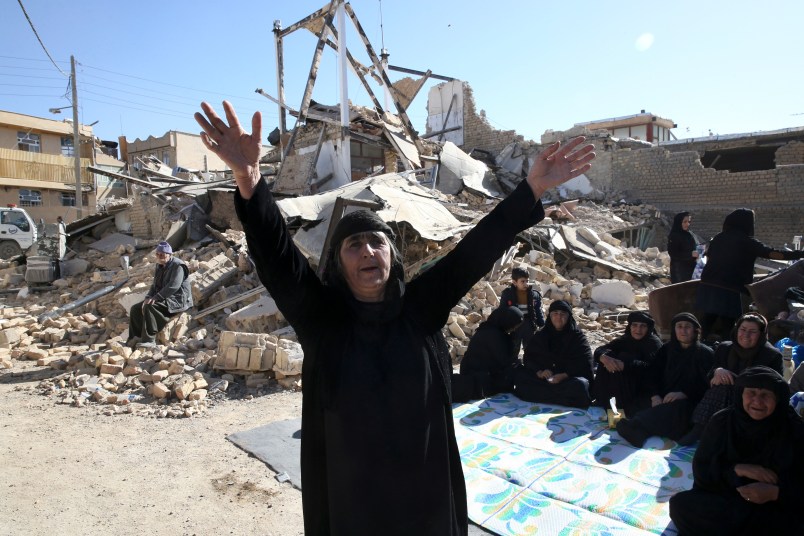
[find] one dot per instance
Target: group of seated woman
(748, 471)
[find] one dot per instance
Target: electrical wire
(30, 22)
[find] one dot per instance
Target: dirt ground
(73, 470)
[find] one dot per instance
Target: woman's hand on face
(236, 147)
(559, 163)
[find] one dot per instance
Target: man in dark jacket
(529, 301)
(169, 294)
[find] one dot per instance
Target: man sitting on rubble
(169, 294)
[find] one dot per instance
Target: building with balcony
(37, 167)
(642, 126)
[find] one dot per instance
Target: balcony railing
(41, 167)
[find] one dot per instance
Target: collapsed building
(599, 248)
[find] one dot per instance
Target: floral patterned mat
(535, 469)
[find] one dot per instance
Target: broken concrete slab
(458, 170)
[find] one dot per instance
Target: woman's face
(366, 265)
(748, 334)
(685, 333)
(639, 330)
(685, 223)
(758, 403)
(559, 319)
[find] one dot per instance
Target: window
(14, 217)
(29, 142)
(30, 198)
(166, 158)
(68, 199)
(67, 147)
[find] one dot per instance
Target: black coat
(679, 369)
(490, 357)
(767, 355)
(680, 245)
(378, 453)
(566, 351)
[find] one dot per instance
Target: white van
(17, 231)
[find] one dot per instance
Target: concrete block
(243, 356)
(160, 390)
(289, 358)
(255, 358)
(230, 363)
(184, 387)
(268, 358)
(108, 368)
(613, 292)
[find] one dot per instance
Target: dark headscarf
(677, 221)
(561, 305)
(741, 220)
(557, 340)
(361, 221)
(753, 441)
(740, 357)
(642, 317)
(504, 318)
(688, 317)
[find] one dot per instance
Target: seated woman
(748, 469)
(621, 364)
(557, 366)
(487, 368)
(676, 382)
(748, 347)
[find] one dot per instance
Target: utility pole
(76, 142)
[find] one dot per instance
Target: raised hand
(559, 163)
(236, 147)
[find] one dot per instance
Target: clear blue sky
(725, 66)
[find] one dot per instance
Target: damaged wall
(678, 181)
(478, 133)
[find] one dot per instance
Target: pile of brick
(240, 345)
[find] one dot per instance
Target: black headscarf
(677, 221)
(504, 318)
(741, 220)
(641, 317)
(740, 357)
(752, 441)
(557, 340)
(362, 221)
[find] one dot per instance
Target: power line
(40, 39)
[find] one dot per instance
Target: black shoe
(691, 437)
(632, 432)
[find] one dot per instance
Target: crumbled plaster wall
(478, 133)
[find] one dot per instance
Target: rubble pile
(235, 342)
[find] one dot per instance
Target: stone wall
(478, 133)
(789, 154)
(677, 181)
(147, 217)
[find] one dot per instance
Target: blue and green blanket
(536, 469)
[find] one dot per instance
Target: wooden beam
(378, 66)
